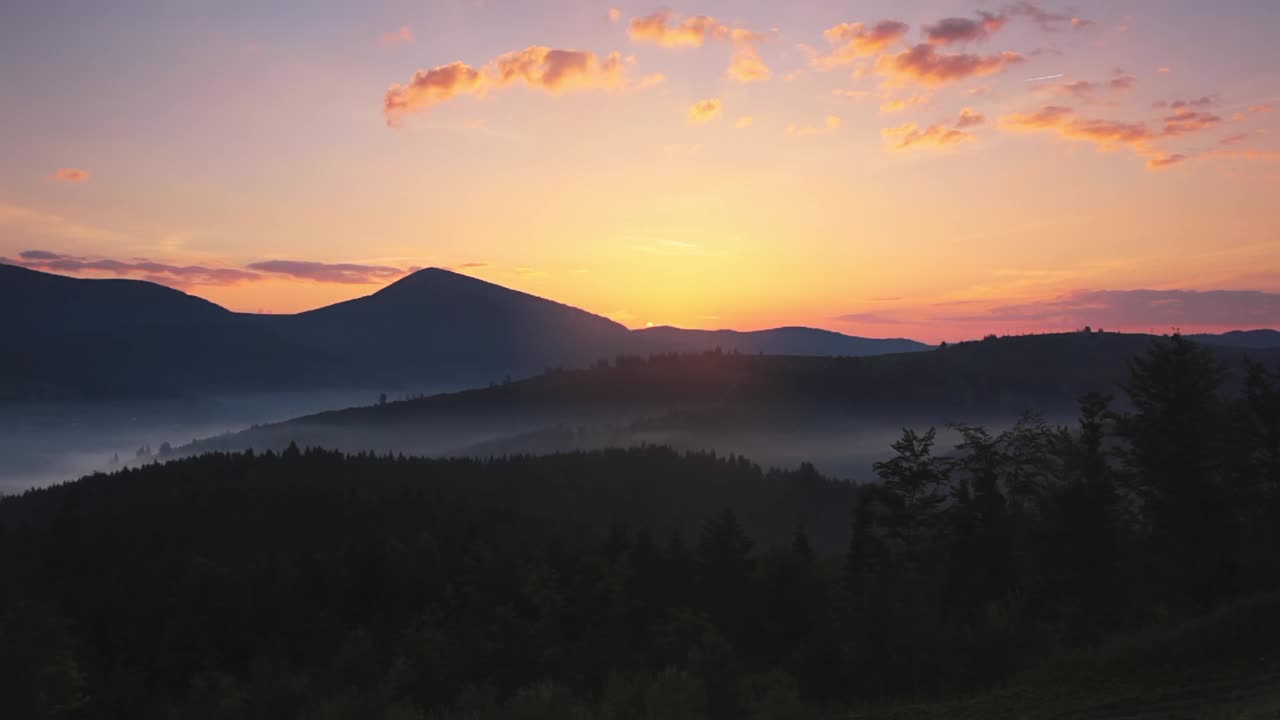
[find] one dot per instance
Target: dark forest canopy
(648, 584)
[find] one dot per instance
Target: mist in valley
(49, 443)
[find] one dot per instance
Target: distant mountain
(69, 338)
(1257, 339)
(436, 324)
(779, 341)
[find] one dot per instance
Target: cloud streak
(338, 273)
(1155, 309)
(163, 273)
(192, 275)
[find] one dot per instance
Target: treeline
(638, 584)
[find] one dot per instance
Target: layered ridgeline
(68, 338)
(836, 412)
(653, 585)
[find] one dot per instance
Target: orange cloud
(551, 70)
(704, 111)
(71, 175)
(970, 118)
(830, 123)
(432, 87)
(746, 65)
(1106, 133)
(851, 41)
(560, 70)
(923, 64)
(664, 28)
(1262, 108)
(910, 135)
(1233, 139)
(960, 31)
(1110, 134)
(404, 34)
(1164, 161)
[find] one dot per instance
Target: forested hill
(723, 391)
(653, 585)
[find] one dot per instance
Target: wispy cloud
(402, 35)
(202, 274)
(830, 124)
(164, 273)
(910, 135)
(340, 273)
(1111, 134)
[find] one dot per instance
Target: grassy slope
(1226, 665)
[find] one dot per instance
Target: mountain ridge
(432, 328)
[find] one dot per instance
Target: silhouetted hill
(435, 322)
(752, 404)
(46, 305)
(68, 338)
(121, 339)
(1257, 339)
(778, 341)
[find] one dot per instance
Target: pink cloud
(924, 65)
(164, 273)
(961, 31)
(403, 34)
(193, 275)
(1049, 21)
(71, 175)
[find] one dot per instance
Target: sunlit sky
(937, 170)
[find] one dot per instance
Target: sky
(938, 170)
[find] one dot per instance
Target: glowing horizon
(938, 172)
